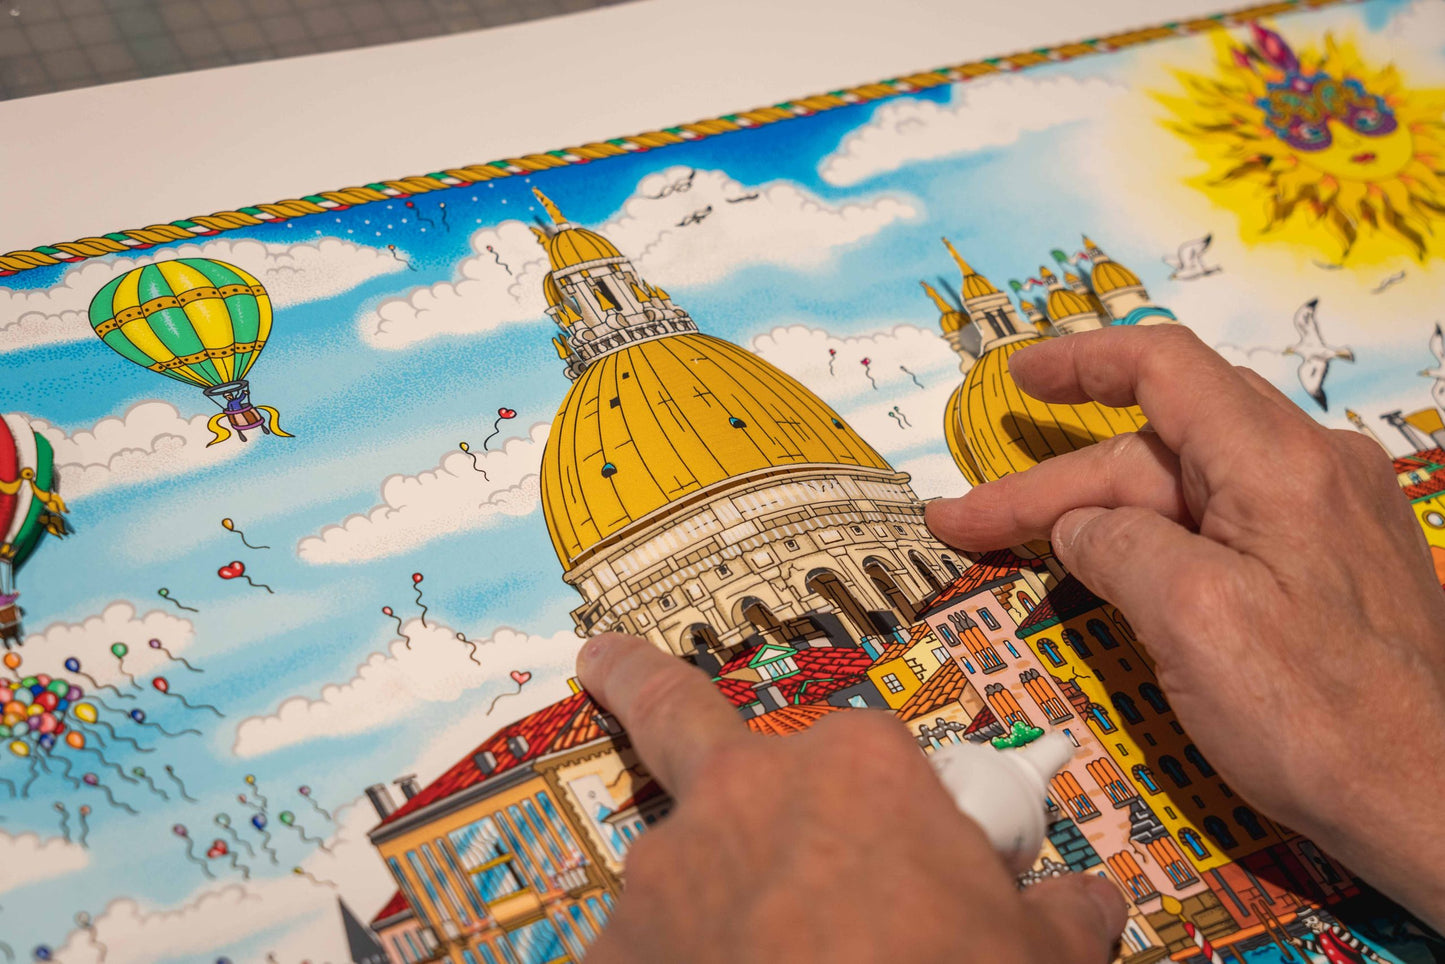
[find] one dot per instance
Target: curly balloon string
(9, 951)
(255, 807)
(110, 798)
(416, 578)
(315, 841)
(235, 837)
(472, 643)
(97, 684)
(193, 706)
(910, 375)
(165, 593)
(388, 611)
(312, 877)
(442, 207)
(520, 684)
(84, 826)
(395, 256)
(118, 771)
(832, 357)
(120, 663)
(171, 772)
(11, 786)
(256, 789)
(143, 721)
(122, 737)
(158, 645)
(34, 775)
(237, 865)
(475, 467)
(86, 924)
(64, 821)
(266, 846)
(230, 526)
(66, 773)
(419, 216)
(902, 419)
(150, 784)
(867, 364)
(191, 855)
(318, 807)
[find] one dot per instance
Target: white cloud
(783, 225)
(152, 439)
(90, 640)
(897, 417)
(291, 273)
(994, 112)
(453, 496)
(27, 858)
(299, 916)
(390, 686)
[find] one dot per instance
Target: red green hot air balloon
(198, 321)
(30, 508)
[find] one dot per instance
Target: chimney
(486, 762)
(408, 785)
(517, 746)
(381, 800)
(607, 723)
(770, 697)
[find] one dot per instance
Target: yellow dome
(649, 424)
(1064, 302)
(994, 429)
(950, 319)
(575, 245)
(975, 285)
(1111, 276)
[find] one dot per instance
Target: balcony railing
(570, 878)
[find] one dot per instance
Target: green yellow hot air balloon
(30, 509)
(196, 320)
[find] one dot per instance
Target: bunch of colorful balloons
(38, 705)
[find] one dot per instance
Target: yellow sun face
(1317, 149)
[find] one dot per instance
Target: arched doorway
(702, 647)
(826, 584)
(924, 571)
(884, 582)
(756, 612)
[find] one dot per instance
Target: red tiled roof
(1425, 458)
(563, 724)
(897, 649)
(740, 661)
(790, 719)
(833, 661)
(985, 718)
(990, 567)
(944, 686)
(391, 908)
(738, 691)
(1074, 693)
(1066, 600)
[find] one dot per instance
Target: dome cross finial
(551, 208)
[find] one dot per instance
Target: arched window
(924, 572)
(1192, 754)
(1101, 632)
(1220, 833)
(888, 588)
(1076, 643)
(1050, 651)
(1027, 601)
(827, 584)
(1145, 776)
(1097, 714)
(1154, 696)
(1127, 709)
(952, 567)
(1174, 771)
(1191, 840)
(1246, 818)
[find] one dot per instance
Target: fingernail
(1070, 524)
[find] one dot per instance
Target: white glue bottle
(1004, 791)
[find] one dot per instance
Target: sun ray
(1316, 148)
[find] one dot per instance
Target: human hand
(835, 844)
(1274, 572)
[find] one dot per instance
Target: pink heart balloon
(520, 676)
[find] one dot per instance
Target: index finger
(671, 711)
(1196, 401)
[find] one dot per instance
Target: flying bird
(1314, 355)
(1389, 282)
(746, 197)
(1437, 348)
(695, 217)
(1189, 264)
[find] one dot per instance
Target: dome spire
(943, 306)
(551, 208)
(975, 285)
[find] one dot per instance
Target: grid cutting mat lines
(50, 45)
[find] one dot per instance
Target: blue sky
(360, 414)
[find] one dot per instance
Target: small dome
(1064, 302)
(1111, 275)
(573, 246)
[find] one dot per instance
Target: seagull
(1437, 348)
(1313, 353)
(695, 217)
(1189, 263)
(1389, 282)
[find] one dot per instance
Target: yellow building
(992, 427)
(700, 497)
(906, 664)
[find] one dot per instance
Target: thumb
(1082, 916)
(1138, 560)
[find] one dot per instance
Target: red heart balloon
(520, 676)
(218, 849)
(506, 413)
(232, 571)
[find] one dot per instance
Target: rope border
(202, 226)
